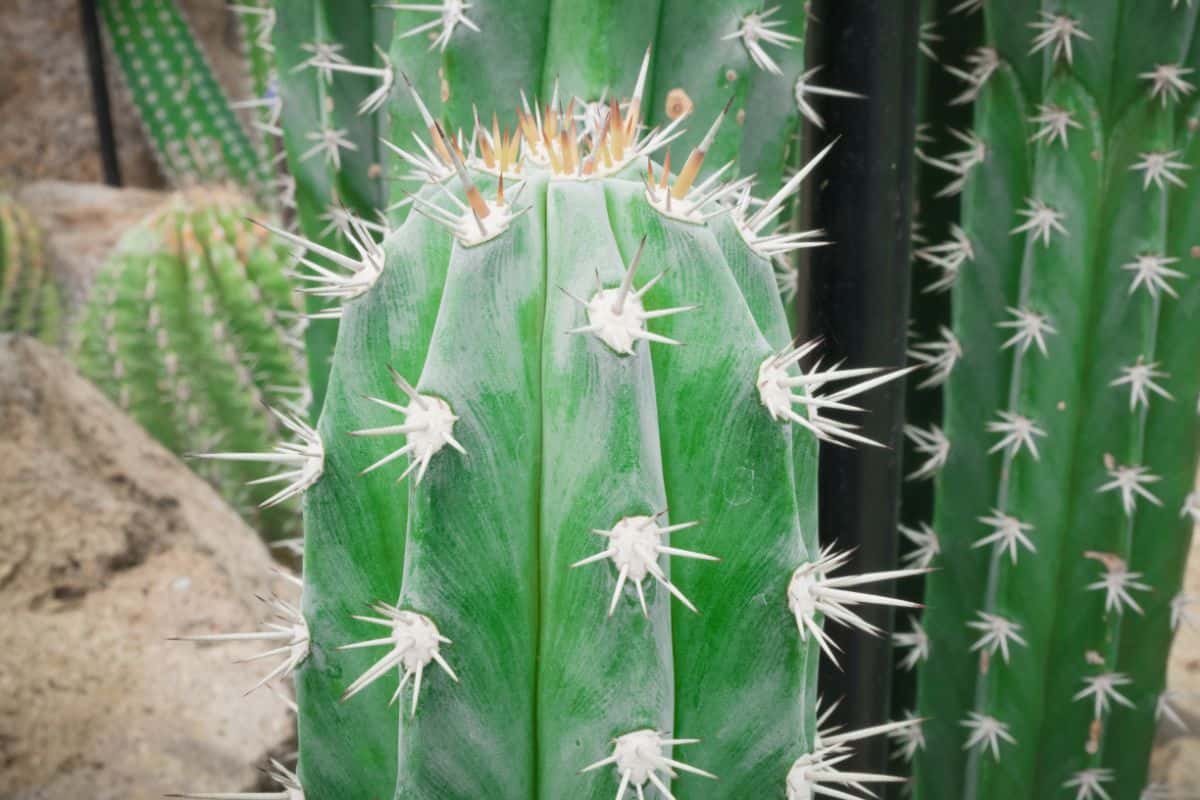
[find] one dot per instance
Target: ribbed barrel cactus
(30, 300)
(560, 515)
(191, 328)
(1066, 462)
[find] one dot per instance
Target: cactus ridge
(190, 328)
(553, 602)
(30, 299)
(1070, 431)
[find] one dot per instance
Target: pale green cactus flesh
(194, 131)
(30, 299)
(560, 535)
(1070, 434)
(190, 328)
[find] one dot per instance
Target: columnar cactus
(344, 70)
(598, 576)
(190, 327)
(1069, 443)
(188, 119)
(30, 301)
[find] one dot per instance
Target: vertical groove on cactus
(1095, 184)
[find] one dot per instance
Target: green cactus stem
(1070, 434)
(191, 329)
(598, 576)
(30, 301)
(193, 129)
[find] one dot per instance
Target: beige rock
(108, 545)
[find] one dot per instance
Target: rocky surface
(1177, 754)
(108, 545)
(47, 129)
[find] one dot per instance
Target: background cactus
(190, 328)
(188, 119)
(29, 297)
(562, 597)
(1070, 435)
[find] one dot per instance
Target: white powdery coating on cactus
(811, 591)
(305, 458)
(634, 545)
(414, 643)
(428, 427)
(640, 757)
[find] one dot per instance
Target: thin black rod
(89, 21)
(858, 302)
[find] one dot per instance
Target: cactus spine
(555, 603)
(190, 329)
(1070, 434)
(30, 301)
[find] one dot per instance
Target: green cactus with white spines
(30, 299)
(1070, 433)
(599, 575)
(194, 132)
(190, 328)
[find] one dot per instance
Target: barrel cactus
(1069, 444)
(560, 521)
(30, 300)
(191, 328)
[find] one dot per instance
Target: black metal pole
(858, 301)
(89, 21)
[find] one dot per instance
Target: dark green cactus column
(1070, 429)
